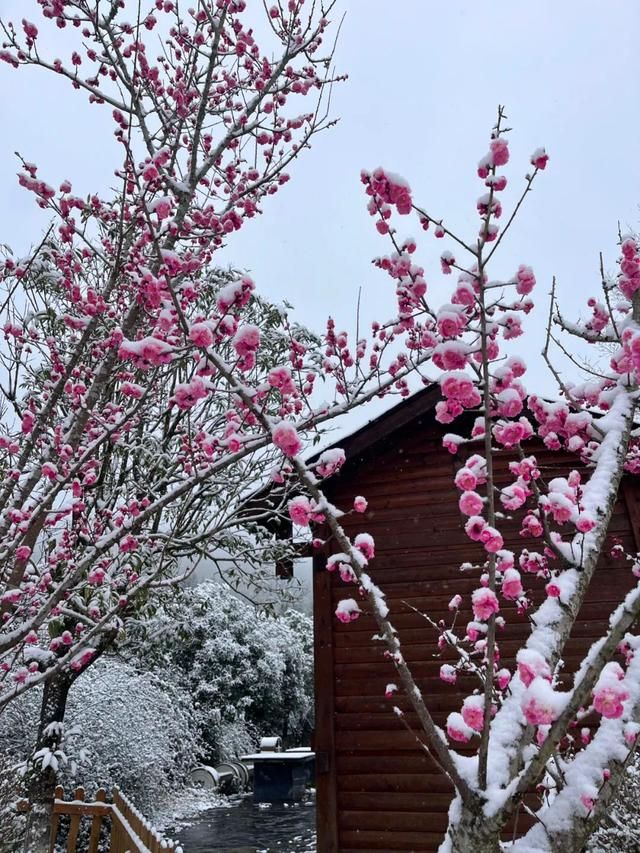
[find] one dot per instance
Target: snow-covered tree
(137, 406)
(248, 673)
(123, 727)
(518, 719)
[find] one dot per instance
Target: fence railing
(130, 831)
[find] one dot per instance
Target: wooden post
(55, 819)
(96, 824)
(116, 832)
(74, 827)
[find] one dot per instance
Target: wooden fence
(130, 832)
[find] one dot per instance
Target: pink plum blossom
(365, 544)
(330, 461)
(610, 692)
(300, 510)
(491, 539)
(539, 158)
(484, 603)
(187, 394)
(503, 677)
(49, 470)
(201, 335)
(457, 729)
(246, 340)
(541, 704)
(585, 523)
(514, 496)
(510, 433)
(347, 610)
(360, 504)
(512, 584)
(466, 479)
(456, 384)
(280, 378)
(286, 438)
(505, 560)
(11, 596)
(448, 673)
(470, 503)
(525, 280)
(473, 712)
(588, 801)
(499, 151)
(553, 589)
(474, 527)
(96, 576)
(531, 664)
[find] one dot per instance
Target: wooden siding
(376, 789)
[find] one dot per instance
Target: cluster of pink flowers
(484, 603)
(629, 278)
(246, 342)
(365, 544)
(146, 352)
(286, 438)
(478, 530)
(512, 584)
(459, 386)
(498, 155)
(187, 394)
(457, 729)
(558, 426)
(281, 379)
(533, 562)
(151, 299)
(541, 704)
(610, 692)
(330, 461)
(385, 189)
(348, 610)
(473, 712)
(532, 665)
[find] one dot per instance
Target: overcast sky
(425, 79)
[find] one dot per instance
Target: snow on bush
(131, 729)
(249, 674)
(620, 829)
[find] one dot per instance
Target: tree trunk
(41, 783)
(474, 832)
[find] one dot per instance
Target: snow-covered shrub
(133, 729)
(18, 726)
(11, 823)
(619, 831)
(141, 732)
(249, 674)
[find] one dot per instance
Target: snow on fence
(131, 832)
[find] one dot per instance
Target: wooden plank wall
(376, 789)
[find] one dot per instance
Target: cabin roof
(412, 408)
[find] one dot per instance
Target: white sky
(425, 81)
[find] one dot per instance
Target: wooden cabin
(376, 789)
